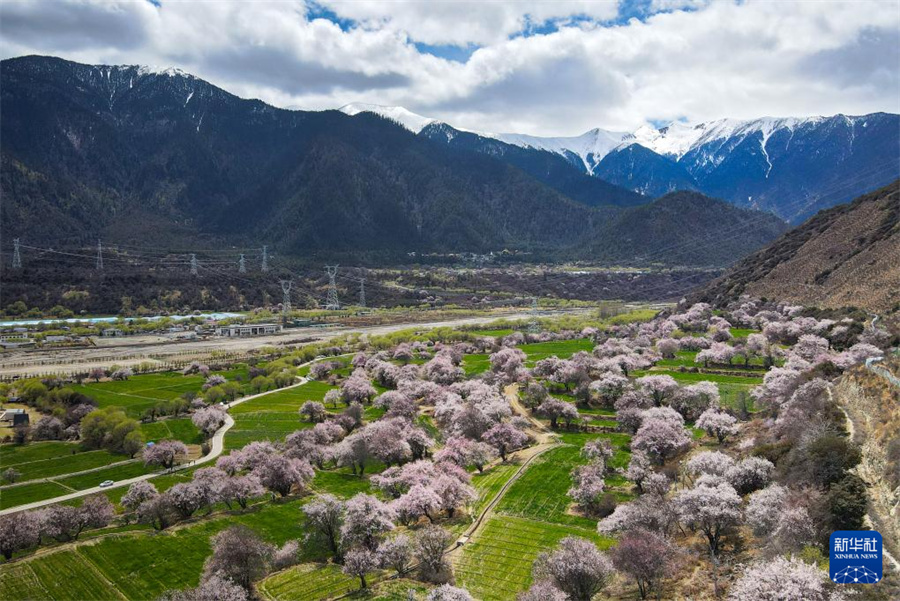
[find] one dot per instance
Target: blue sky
(531, 66)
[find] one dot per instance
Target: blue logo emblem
(855, 557)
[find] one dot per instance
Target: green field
(310, 582)
(559, 348)
(29, 493)
(273, 416)
(49, 459)
(497, 565)
(182, 429)
(476, 363)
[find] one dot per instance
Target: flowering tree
(507, 362)
(718, 352)
(667, 347)
(396, 553)
(710, 462)
(241, 489)
(588, 486)
(122, 374)
(576, 567)
(543, 590)
(359, 562)
(660, 438)
(691, 401)
(714, 510)
(325, 517)
(420, 500)
(504, 437)
(646, 557)
(431, 542)
(442, 370)
(212, 588)
(639, 467)
(138, 492)
(555, 409)
(718, 424)
(239, 555)
(280, 474)
(659, 388)
(779, 579)
(166, 453)
(750, 474)
(446, 592)
(313, 411)
(609, 388)
(186, 498)
(209, 419)
(357, 388)
(452, 492)
(366, 519)
(18, 532)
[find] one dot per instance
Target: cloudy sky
(546, 67)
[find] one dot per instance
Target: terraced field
(310, 582)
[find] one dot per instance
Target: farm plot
(476, 363)
(75, 460)
(540, 492)
(560, 348)
(182, 429)
(497, 565)
(273, 416)
(309, 582)
(29, 493)
(141, 392)
(62, 576)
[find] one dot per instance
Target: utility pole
(534, 326)
(332, 303)
(362, 293)
(286, 298)
(17, 257)
(265, 258)
(242, 265)
(193, 264)
(99, 255)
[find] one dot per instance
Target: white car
(106, 483)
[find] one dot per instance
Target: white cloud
(740, 60)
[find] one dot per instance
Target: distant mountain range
(845, 256)
(792, 167)
(162, 158)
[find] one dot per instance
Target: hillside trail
(851, 429)
(546, 440)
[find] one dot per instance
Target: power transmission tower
(534, 326)
(242, 265)
(362, 292)
(332, 303)
(265, 259)
(17, 257)
(99, 255)
(286, 298)
(193, 264)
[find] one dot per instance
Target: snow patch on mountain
(590, 146)
(406, 118)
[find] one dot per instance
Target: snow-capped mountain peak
(406, 118)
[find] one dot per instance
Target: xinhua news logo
(855, 557)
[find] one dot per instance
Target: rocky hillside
(845, 256)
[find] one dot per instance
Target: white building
(250, 329)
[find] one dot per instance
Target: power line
(286, 298)
(17, 258)
(332, 303)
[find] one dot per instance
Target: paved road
(217, 446)
(59, 360)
